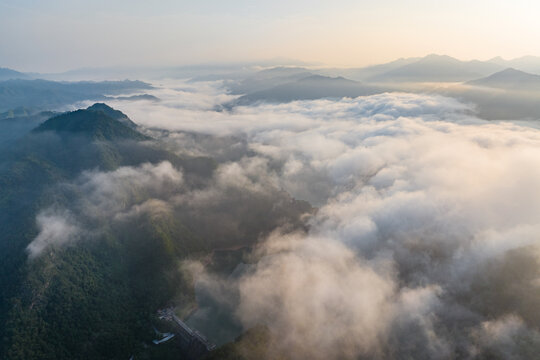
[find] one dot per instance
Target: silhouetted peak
(91, 123)
(115, 114)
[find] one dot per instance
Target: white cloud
(416, 197)
(54, 229)
(105, 196)
(417, 200)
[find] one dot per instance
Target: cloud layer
(425, 244)
(104, 196)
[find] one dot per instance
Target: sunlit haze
(57, 35)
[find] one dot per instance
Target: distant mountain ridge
(339, 80)
(9, 74)
(367, 72)
(438, 68)
(510, 79)
(48, 95)
(308, 88)
(269, 78)
(433, 68)
(282, 84)
(530, 64)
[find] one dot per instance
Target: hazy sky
(56, 35)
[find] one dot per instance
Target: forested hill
(95, 223)
(91, 300)
(96, 124)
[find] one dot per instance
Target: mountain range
(47, 95)
(430, 68)
(437, 68)
(529, 64)
(472, 82)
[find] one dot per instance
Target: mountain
(48, 95)
(146, 97)
(92, 123)
(510, 79)
(97, 137)
(309, 88)
(499, 61)
(280, 71)
(267, 79)
(208, 71)
(438, 68)
(96, 297)
(368, 72)
(8, 74)
(530, 64)
(89, 301)
(98, 121)
(115, 114)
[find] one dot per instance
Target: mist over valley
(217, 205)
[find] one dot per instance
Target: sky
(58, 35)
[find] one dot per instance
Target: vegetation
(96, 299)
(93, 300)
(253, 344)
(94, 124)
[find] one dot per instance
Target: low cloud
(318, 299)
(55, 228)
(113, 193)
(507, 337)
(101, 197)
(425, 240)
(418, 202)
(238, 203)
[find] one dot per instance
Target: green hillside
(92, 300)
(97, 125)
(96, 298)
